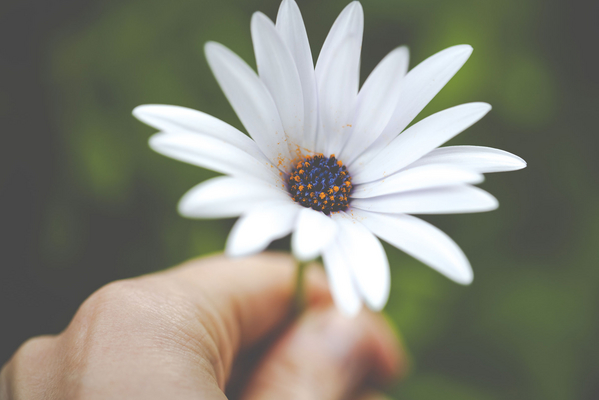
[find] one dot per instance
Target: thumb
(238, 301)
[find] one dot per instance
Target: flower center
(321, 183)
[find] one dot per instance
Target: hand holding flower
(201, 330)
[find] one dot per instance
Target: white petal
(422, 241)
(445, 200)
(349, 23)
(313, 233)
(345, 294)
(423, 177)
(254, 231)
(226, 197)
(337, 78)
(293, 32)
(376, 102)
(474, 158)
(215, 154)
(367, 260)
(180, 119)
(418, 88)
(251, 100)
(278, 72)
(420, 139)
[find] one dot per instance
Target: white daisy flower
(329, 162)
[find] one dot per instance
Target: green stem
(300, 293)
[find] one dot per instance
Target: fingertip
(392, 362)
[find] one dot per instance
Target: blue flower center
(320, 183)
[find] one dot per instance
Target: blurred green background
(85, 201)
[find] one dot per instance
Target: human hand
(206, 328)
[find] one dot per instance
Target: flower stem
(299, 297)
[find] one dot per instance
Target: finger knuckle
(121, 297)
(28, 365)
(36, 346)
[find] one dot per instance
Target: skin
(206, 328)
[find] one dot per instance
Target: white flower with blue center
(329, 162)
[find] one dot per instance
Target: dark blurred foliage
(85, 202)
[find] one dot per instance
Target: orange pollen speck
(296, 178)
(322, 195)
(336, 188)
(300, 188)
